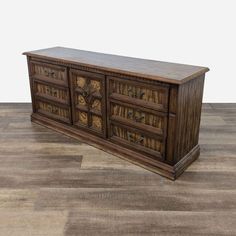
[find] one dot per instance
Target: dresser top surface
(149, 69)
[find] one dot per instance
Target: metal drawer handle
(132, 139)
(47, 73)
(130, 114)
(54, 92)
(55, 111)
(138, 95)
(137, 118)
(140, 140)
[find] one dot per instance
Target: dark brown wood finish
(88, 99)
(146, 111)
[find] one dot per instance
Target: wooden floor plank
(51, 184)
(166, 223)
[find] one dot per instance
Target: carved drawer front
(57, 112)
(51, 92)
(47, 72)
(145, 119)
(150, 96)
(89, 100)
(138, 140)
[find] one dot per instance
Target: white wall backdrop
(191, 32)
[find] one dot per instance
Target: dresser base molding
(171, 172)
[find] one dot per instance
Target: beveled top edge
(173, 73)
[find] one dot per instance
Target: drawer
(138, 140)
(52, 110)
(51, 92)
(141, 118)
(138, 93)
(50, 73)
(88, 93)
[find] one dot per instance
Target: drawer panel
(137, 140)
(149, 120)
(88, 93)
(47, 72)
(151, 96)
(51, 110)
(51, 92)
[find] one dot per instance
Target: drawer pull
(138, 95)
(54, 92)
(133, 140)
(55, 111)
(47, 73)
(51, 91)
(137, 118)
(130, 114)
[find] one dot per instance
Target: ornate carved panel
(96, 105)
(89, 99)
(96, 122)
(82, 118)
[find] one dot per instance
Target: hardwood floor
(53, 185)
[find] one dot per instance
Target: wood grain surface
(54, 185)
(149, 69)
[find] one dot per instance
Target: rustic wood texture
(54, 185)
(88, 100)
(149, 69)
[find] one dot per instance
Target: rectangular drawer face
(50, 73)
(149, 120)
(137, 140)
(150, 96)
(89, 100)
(51, 110)
(51, 92)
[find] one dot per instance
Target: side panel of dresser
(88, 101)
(184, 119)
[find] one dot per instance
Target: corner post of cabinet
(31, 82)
(172, 124)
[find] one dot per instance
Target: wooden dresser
(145, 111)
